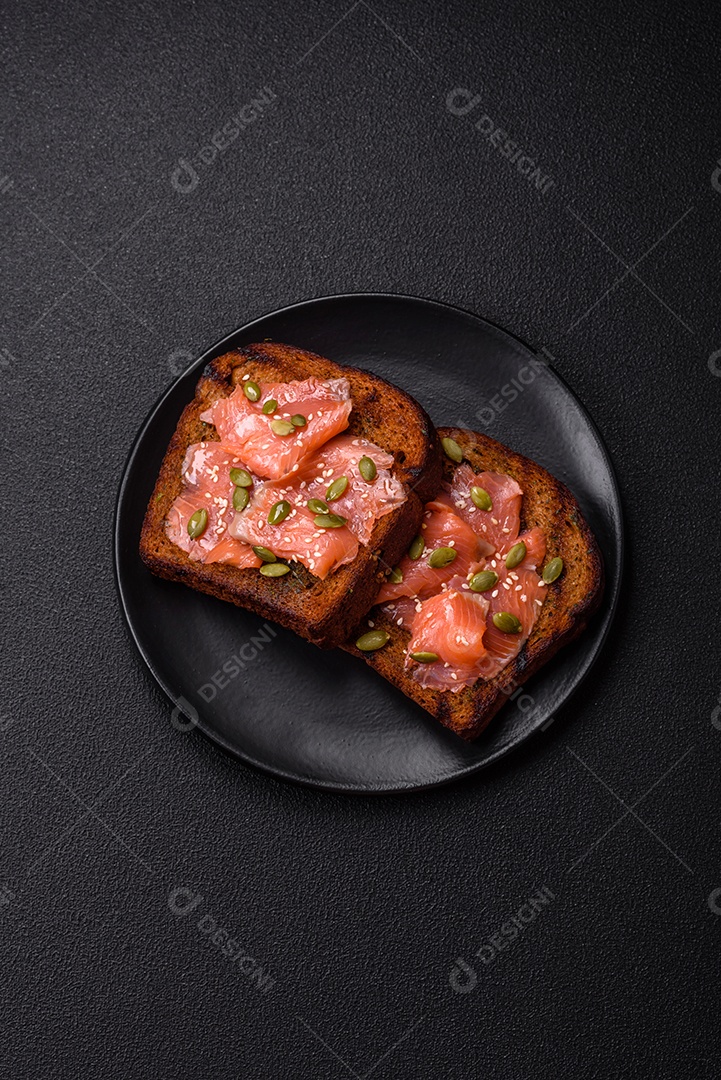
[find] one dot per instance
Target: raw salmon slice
(362, 503)
(521, 593)
(296, 538)
(245, 428)
(206, 473)
(402, 611)
(451, 624)
(501, 523)
(441, 527)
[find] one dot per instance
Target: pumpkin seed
(328, 521)
(336, 489)
(298, 420)
(452, 449)
(279, 512)
(264, 553)
(282, 427)
(552, 570)
(241, 498)
(509, 624)
(442, 556)
(198, 524)
(252, 391)
(367, 469)
(274, 569)
(483, 581)
(516, 555)
(416, 549)
(396, 575)
(269, 406)
(241, 478)
(374, 639)
(425, 657)
(481, 498)
(317, 506)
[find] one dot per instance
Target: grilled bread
(568, 604)
(323, 611)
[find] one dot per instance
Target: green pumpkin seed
(452, 449)
(317, 506)
(336, 489)
(552, 570)
(329, 521)
(198, 524)
(279, 512)
(516, 555)
(442, 556)
(298, 420)
(425, 657)
(282, 427)
(274, 569)
(367, 469)
(269, 406)
(265, 554)
(241, 478)
(509, 624)
(481, 498)
(252, 391)
(416, 549)
(374, 639)
(483, 581)
(241, 498)
(396, 575)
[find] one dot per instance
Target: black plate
(324, 718)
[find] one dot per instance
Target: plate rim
(336, 786)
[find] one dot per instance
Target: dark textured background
(357, 178)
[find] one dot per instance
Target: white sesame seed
(495, 521)
(506, 586)
(524, 598)
(495, 592)
(539, 602)
(371, 623)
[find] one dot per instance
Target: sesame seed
(495, 521)
(506, 586)
(453, 675)
(539, 602)
(524, 598)
(371, 623)
(495, 592)
(245, 378)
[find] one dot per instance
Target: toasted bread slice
(321, 611)
(569, 603)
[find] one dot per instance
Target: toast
(569, 602)
(325, 611)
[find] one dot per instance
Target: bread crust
(569, 604)
(321, 611)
